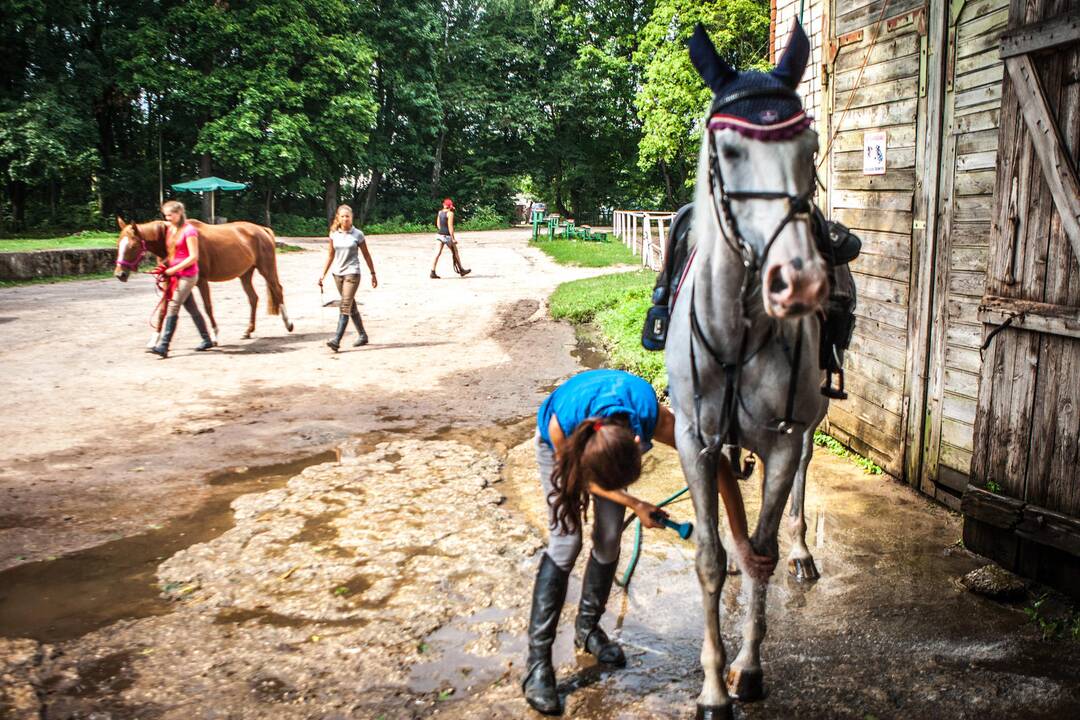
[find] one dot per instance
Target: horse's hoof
(246, 336)
(803, 569)
(289, 327)
(715, 712)
(746, 685)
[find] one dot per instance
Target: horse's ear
(793, 62)
(713, 70)
(120, 222)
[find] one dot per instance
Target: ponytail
(601, 451)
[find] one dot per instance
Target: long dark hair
(601, 451)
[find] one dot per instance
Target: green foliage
(55, 279)
(672, 99)
(833, 446)
(579, 300)
(585, 253)
(993, 486)
(1060, 624)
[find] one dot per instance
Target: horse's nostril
(777, 284)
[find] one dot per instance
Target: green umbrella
(210, 185)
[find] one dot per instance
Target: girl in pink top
(182, 274)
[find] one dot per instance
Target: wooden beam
(1041, 36)
(1030, 315)
(1049, 147)
(991, 508)
(1050, 528)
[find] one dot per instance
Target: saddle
(836, 243)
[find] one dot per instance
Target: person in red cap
(447, 238)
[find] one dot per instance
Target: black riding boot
(335, 342)
(162, 348)
(359, 323)
(588, 634)
(549, 594)
(200, 325)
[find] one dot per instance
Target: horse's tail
(275, 295)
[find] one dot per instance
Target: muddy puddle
(64, 598)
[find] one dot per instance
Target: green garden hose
(636, 554)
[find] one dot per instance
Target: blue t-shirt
(601, 393)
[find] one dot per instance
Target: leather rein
(753, 262)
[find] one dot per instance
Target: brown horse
(229, 251)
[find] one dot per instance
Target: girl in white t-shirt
(343, 262)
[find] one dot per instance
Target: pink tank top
(182, 253)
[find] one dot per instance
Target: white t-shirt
(346, 251)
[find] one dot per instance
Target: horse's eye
(730, 152)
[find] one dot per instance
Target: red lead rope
(167, 286)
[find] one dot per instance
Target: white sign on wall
(874, 152)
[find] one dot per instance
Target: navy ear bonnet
(760, 105)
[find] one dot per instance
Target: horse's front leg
(800, 562)
(745, 679)
(713, 703)
(208, 306)
(253, 299)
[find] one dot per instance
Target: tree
(672, 99)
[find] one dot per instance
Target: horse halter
(134, 264)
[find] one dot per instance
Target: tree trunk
(17, 190)
(205, 170)
(436, 171)
(331, 198)
(369, 197)
(672, 203)
(266, 208)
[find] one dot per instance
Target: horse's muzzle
(792, 291)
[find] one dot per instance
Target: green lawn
(617, 304)
(86, 239)
(587, 254)
(56, 279)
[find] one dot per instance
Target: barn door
(969, 153)
(1023, 504)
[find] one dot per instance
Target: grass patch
(85, 239)
(56, 279)
(580, 300)
(833, 446)
(586, 254)
(286, 248)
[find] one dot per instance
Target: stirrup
(834, 393)
(654, 334)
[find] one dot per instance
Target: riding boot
(162, 348)
(335, 342)
(462, 271)
(588, 635)
(549, 594)
(200, 325)
(359, 323)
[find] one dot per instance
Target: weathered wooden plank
(962, 383)
(894, 245)
(971, 234)
(956, 433)
(878, 427)
(869, 366)
(979, 96)
(883, 289)
(891, 221)
(852, 57)
(997, 510)
(1046, 137)
(986, 120)
(886, 92)
(979, 27)
(1050, 528)
(881, 363)
(979, 78)
(969, 336)
(966, 359)
(892, 315)
(976, 161)
(901, 136)
(848, 180)
(900, 161)
(955, 458)
(973, 208)
(969, 258)
(872, 199)
(883, 266)
(892, 340)
(979, 61)
(870, 14)
(901, 112)
(1041, 36)
(892, 69)
(981, 141)
(1031, 315)
(971, 284)
(888, 399)
(980, 182)
(965, 310)
(848, 431)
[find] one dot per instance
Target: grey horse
(742, 349)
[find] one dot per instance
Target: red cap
(448, 203)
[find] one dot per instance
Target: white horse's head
(756, 176)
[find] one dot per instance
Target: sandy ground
(103, 440)
(391, 578)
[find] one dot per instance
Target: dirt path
(102, 440)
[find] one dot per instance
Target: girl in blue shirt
(590, 435)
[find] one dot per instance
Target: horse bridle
(753, 263)
(134, 264)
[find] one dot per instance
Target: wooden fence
(645, 233)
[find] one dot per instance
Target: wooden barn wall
(1027, 433)
(972, 102)
(883, 95)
